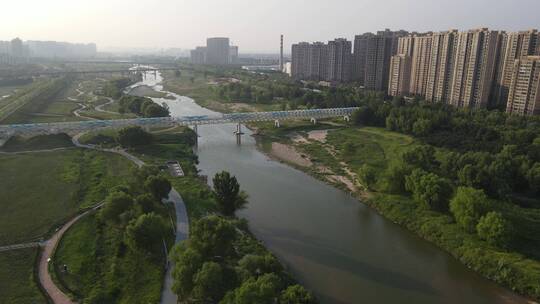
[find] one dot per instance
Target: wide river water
(339, 248)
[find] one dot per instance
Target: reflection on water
(339, 248)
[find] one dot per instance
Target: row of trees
(222, 263)
(489, 150)
(135, 224)
(142, 106)
(114, 88)
(474, 178)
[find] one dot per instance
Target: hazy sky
(254, 25)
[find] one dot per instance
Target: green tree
(145, 202)
(116, 204)
(146, 234)
(421, 157)
(367, 175)
(533, 177)
(429, 190)
(209, 283)
(213, 236)
(422, 127)
(394, 177)
(159, 186)
(363, 116)
(256, 265)
(296, 294)
(228, 194)
(494, 229)
(187, 262)
(467, 206)
(155, 110)
(133, 137)
(263, 290)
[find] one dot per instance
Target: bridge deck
(81, 126)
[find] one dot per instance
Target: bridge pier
(276, 123)
(347, 118)
(313, 120)
(239, 134)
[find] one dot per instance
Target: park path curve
(45, 279)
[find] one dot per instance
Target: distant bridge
(7, 131)
(110, 71)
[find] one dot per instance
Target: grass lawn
(95, 259)
(16, 276)
(203, 93)
(41, 190)
(40, 142)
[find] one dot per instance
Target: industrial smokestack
(281, 55)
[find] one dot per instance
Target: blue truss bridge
(7, 131)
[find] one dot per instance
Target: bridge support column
(347, 118)
(276, 123)
(239, 134)
(313, 120)
(196, 130)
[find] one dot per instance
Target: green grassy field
(16, 276)
(40, 190)
(40, 142)
(97, 258)
(94, 259)
(203, 93)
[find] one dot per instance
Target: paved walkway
(182, 233)
(45, 279)
(19, 246)
(100, 107)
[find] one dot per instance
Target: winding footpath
(45, 279)
(182, 220)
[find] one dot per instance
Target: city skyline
(184, 24)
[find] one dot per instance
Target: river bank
(287, 148)
(344, 251)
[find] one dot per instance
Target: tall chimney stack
(281, 55)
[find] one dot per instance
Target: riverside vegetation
(221, 261)
(466, 180)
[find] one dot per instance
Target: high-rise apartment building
(441, 65)
(300, 60)
(514, 46)
(474, 68)
(339, 60)
(233, 54)
(421, 58)
(198, 55)
(217, 51)
(524, 90)
(400, 75)
(317, 61)
(373, 58)
(405, 45)
(359, 57)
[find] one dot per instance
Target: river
(339, 248)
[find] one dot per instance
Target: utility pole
(281, 55)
